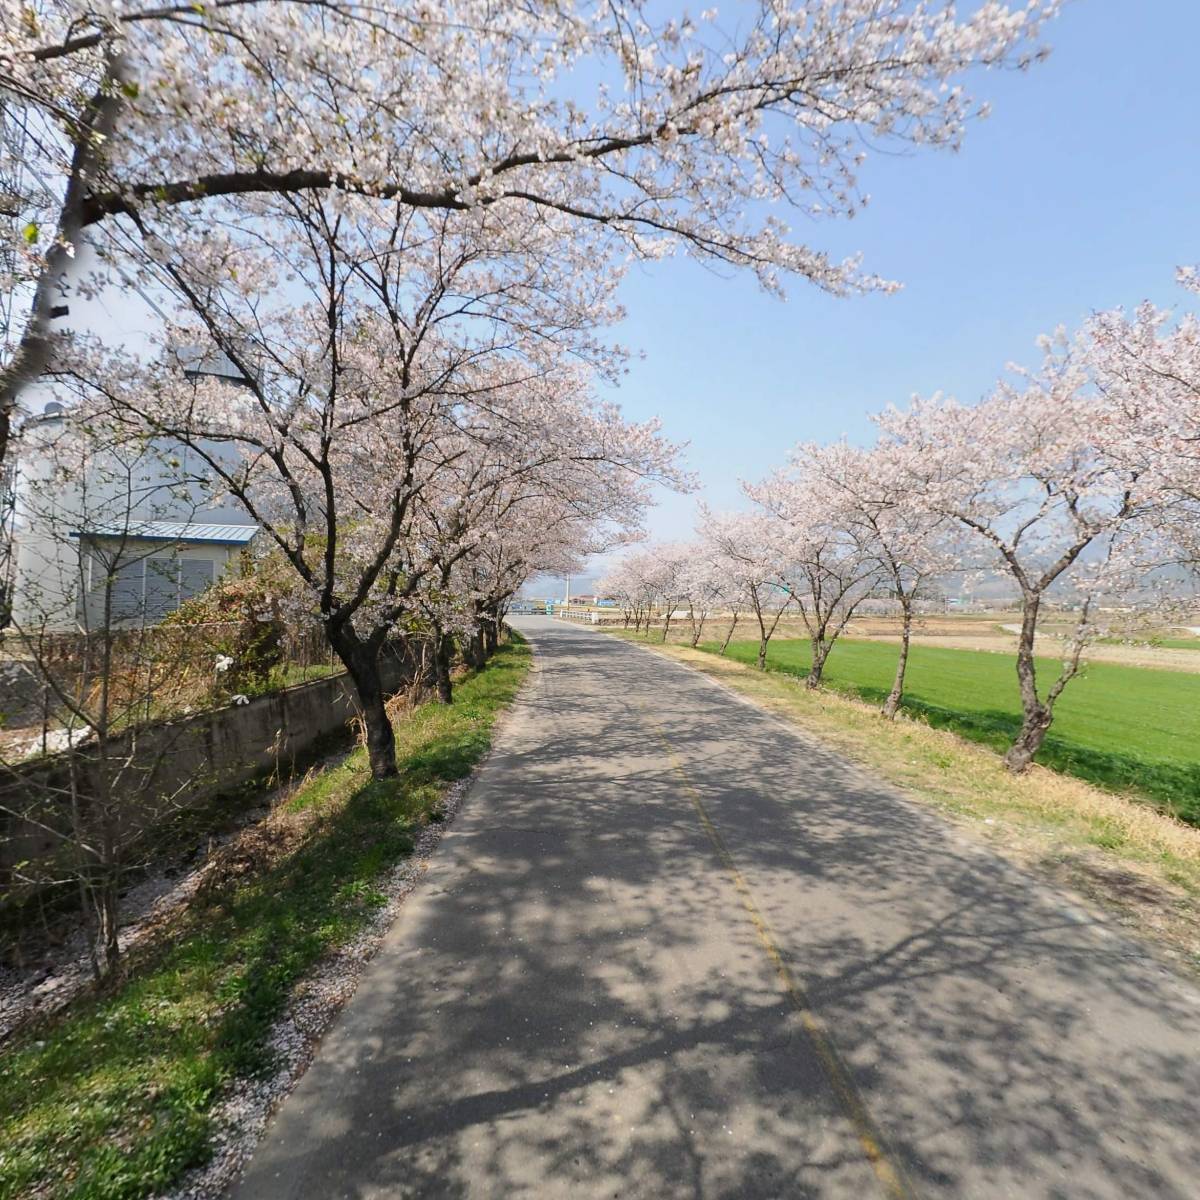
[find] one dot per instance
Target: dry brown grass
(1139, 865)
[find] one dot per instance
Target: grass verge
(1129, 729)
(114, 1099)
(1141, 865)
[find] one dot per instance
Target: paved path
(671, 949)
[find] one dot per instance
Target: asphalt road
(671, 948)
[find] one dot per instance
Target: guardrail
(588, 615)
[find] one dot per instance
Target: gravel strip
(242, 1117)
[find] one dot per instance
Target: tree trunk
(442, 660)
(95, 823)
(362, 663)
(667, 622)
(99, 888)
(491, 637)
(1029, 741)
(729, 633)
(699, 631)
(892, 704)
(105, 897)
(474, 650)
(108, 891)
(32, 354)
(763, 638)
(1036, 716)
(820, 652)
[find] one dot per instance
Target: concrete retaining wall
(178, 766)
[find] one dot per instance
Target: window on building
(127, 590)
(146, 587)
(162, 586)
(195, 574)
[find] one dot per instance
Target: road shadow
(577, 1004)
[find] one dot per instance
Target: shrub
(243, 631)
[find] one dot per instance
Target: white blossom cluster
(661, 132)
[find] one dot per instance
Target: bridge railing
(588, 614)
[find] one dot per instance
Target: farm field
(1159, 649)
(1125, 728)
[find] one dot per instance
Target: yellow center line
(888, 1170)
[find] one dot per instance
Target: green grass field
(1125, 728)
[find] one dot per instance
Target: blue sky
(1079, 193)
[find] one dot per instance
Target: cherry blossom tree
(618, 583)
(539, 534)
(671, 575)
(652, 579)
(685, 129)
(1146, 365)
(747, 545)
(394, 375)
(715, 540)
(628, 581)
(489, 522)
(648, 582)
(92, 91)
(824, 558)
(876, 496)
(1031, 475)
(708, 586)
(671, 579)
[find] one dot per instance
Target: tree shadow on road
(578, 1004)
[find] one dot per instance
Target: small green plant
(360, 891)
(1108, 836)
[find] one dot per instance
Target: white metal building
(121, 538)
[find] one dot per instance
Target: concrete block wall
(178, 766)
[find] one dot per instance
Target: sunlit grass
(1123, 728)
